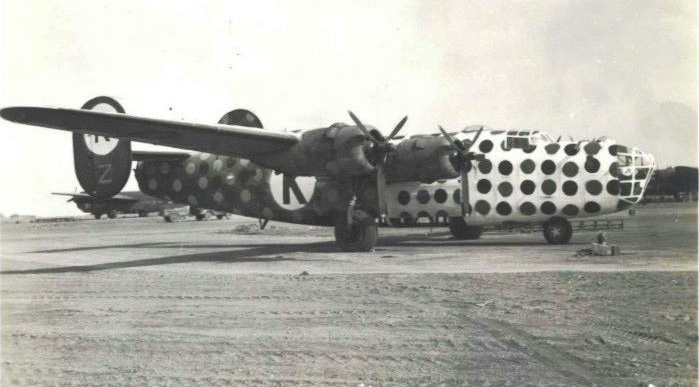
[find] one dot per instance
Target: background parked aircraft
(127, 202)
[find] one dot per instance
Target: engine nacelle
(420, 158)
(339, 150)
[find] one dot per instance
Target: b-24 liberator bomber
(463, 179)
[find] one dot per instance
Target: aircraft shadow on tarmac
(248, 253)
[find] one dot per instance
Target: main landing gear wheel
(459, 230)
(98, 215)
(142, 214)
(111, 214)
(361, 235)
(557, 231)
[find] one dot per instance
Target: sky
(623, 69)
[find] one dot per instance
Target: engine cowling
(339, 150)
(420, 158)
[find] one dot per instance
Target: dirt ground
(143, 302)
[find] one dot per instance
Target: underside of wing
(158, 155)
(239, 141)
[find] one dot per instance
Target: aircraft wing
(83, 195)
(239, 141)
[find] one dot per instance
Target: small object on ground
(584, 253)
(602, 238)
(598, 249)
(388, 256)
(304, 273)
(482, 304)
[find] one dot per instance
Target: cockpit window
(525, 139)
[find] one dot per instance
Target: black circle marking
(423, 196)
(527, 208)
(483, 186)
(548, 187)
(552, 148)
(592, 148)
(482, 207)
(457, 196)
(570, 210)
(503, 208)
(505, 189)
(485, 166)
(485, 146)
(440, 196)
(527, 187)
(570, 169)
(548, 208)
(548, 167)
(613, 187)
(403, 197)
(570, 188)
(613, 149)
(593, 187)
(528, 166)
(505, 167)
(592, 207)
(614, 169)
(571, 149)
(592, 164)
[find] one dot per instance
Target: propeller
(380, 148)
(461, 159)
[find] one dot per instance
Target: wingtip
(14, 114)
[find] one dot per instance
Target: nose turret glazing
(635, 168)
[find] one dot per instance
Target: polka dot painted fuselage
(520, 182)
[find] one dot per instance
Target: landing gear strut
(459, 229)
(557, 231)
(358, 235)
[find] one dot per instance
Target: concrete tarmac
(138, 301)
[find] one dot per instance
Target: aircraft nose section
(635, 170)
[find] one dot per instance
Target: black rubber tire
(142, 214)
(361, 236)
(167, 218)
(111, 214)
(557, 231)
(98, 215)
(459, 230)
(219, 217)
(200, 216)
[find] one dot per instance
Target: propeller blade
(381, 188)
(397, 128)
(465, 205)
(559, 138)
(286, 198)
(363, 128)
(451, 140)
(478, 134)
